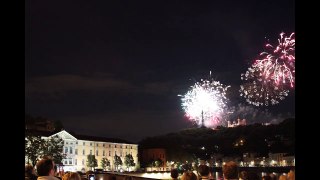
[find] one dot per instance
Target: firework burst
(278, 63)
(268, 80)
(205, 103)
(259, 91)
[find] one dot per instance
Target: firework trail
(205, 103)
(268, 80)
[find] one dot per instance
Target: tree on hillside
(117, 161)
(91, 161)
(129, 161)
(34, 147)
(105, 163)
(54, 149)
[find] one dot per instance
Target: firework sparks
(205, 103)
(278, 64)
(267, 80)
(260, 91)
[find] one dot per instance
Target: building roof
(78, 136)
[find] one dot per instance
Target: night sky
(115, 68)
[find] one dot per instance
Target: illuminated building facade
(78, 147)
(239, 122)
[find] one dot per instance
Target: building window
(115, 153)
(109, 153)
(103, 153)
(120, 146)
(70, 161)
(115, 146)
(109, 145)
(84, 143)
(66, 150)
(120, 153)
(97, 144)
(71, 143)
(82, 161)
(103, 145)
(76, 151)
(90, 144)
(67, 143)
(131, 147)
(65, 162)
(70, 150)
(97, 154)
(90, 152)
(83, 152)
(76, 142)
(75, 162)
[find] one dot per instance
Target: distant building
(153, 154)
(277, 159)
(77, 147)
(273, 159)
(239, 122)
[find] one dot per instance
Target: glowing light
(206, 101)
